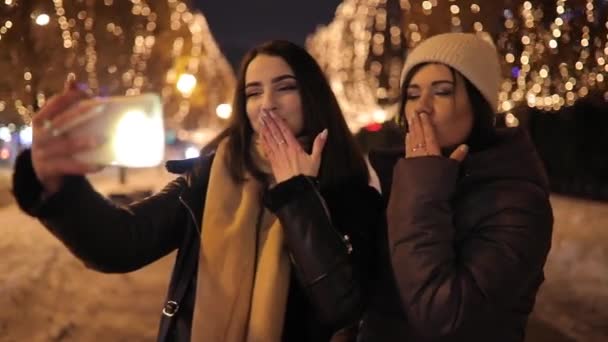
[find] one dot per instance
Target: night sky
(238, 25)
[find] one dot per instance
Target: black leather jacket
(327, 232)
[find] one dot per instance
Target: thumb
(319, 144)
(460, 153)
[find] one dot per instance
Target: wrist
(50, 187)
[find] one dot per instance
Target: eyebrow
(274, 80)
(434, 83)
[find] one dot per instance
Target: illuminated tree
(115, 48)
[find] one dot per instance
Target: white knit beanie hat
(472, 56)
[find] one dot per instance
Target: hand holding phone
(130, 127)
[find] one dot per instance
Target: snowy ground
(48, 295)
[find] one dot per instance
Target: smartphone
(131, 128)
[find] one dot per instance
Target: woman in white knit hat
(469, 218)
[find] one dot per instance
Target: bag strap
(188, 264)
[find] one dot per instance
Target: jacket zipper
(198, 229)
(345, 239)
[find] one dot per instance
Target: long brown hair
(342, 161)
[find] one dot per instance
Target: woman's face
(270, 84)
(433, 90)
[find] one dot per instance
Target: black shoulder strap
(185, 270)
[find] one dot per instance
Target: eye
(252, 94)
(412, 96)
(288, 87)
(444, 92)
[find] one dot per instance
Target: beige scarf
(242, 288)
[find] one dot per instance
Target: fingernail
(422, 115)
(464, 148)
(324, 134)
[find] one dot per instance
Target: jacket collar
(196, 172)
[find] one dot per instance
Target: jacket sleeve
(447, 285)
(106, 237)
(331, 257)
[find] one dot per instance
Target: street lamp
(43, 19)
(186, 84)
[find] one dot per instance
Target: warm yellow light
(557, 33)
(475, 8)
(531, 99)
(579, 65)
(416, 37)
(511, 120)
(43, 19)
(186, 84)
(454, 9)
(224, 111)
(510, 58)
(427, 5)
(553, 43)
(570, 96)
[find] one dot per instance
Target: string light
(361, 51)
(551, 56)
(114, 55)
(5, 28)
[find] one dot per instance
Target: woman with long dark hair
(271, 223)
